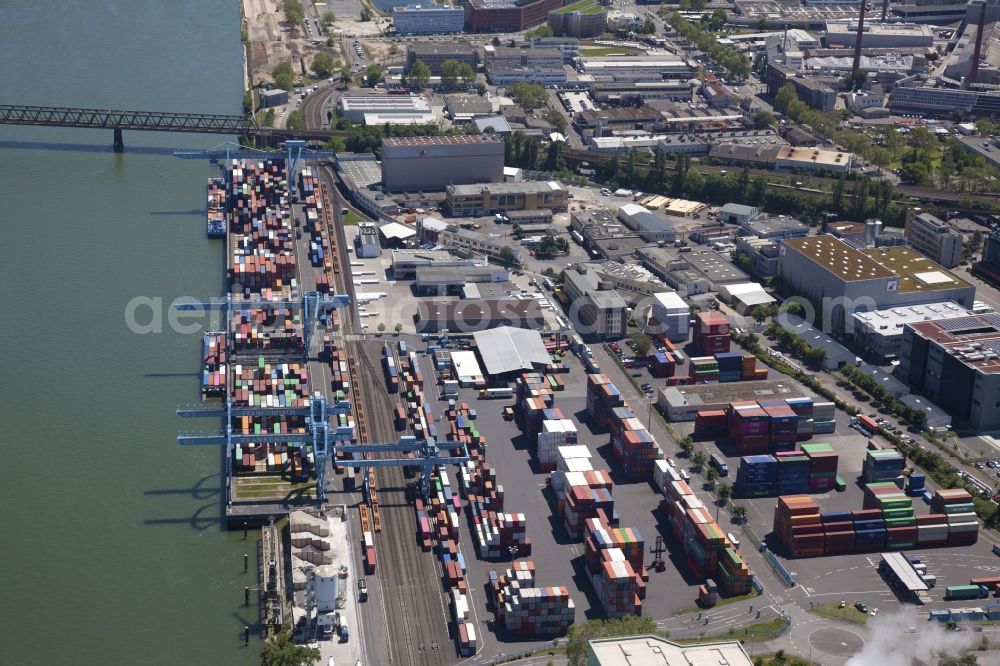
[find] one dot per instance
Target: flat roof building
(774, 228)
(433, 54)
(596, 309)
(658, 651)
(368, 242)
(814, 159)
(650, 227)
(468, 316)
(405, 263)
(745, 297)
(716, 268)
(669, 316)
(585, 18)
(935, 239)
(636, 68)
(473, 200)
(630, 277)
(956, 364)
(506, 15)
(435, 162)
(880, 35)
(681, 403)
(568, 46)
(851, 280)
(356, 107)
(474, 243)
(882, 330)
(430, 19)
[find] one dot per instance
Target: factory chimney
(857, 41)
(978, 52)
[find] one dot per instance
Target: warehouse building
(435, 162)
(735, 213)
(506, 349)
(745, 297)
(837, 356)
(568, 46)
(468, 316)
(650, 227)
(628, 277)
(452, 280)
(599, 231)
(812, 159)
(669, 315)
(841, 279)
(273, 97)
(681, 403)
(935, 239)
(763, 255)
(468, 200)
(774, 228)
(474, 243)
(434, 54)
(543, 76)
(636, 68)
(879, 35)
(816, 94)
(881, 331)
(405, 263)
(671, 266)
(716, 268)
(431, 19)
(503, 57)
(376, 109)
(956, 364)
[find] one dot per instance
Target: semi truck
(956, 592)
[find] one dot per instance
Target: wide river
(112, 550)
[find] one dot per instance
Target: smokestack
(885, 9)
(857, 40)
(977, 53)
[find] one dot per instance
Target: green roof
(583, 6)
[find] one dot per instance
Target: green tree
(294, 13)
(763, 119)
(580, 635)
(552, 156)
(466, 73)
(855, 80)
(724, 491)
(248, 101)
(641, 344)
(398, 328)
(328, 19)
(717, 20)
(419, 74)
(373, 74)
(711, 476)
(281, 651)
(381, 328)
(507, 256)
(335, 144)
(296, 120)
(346, 75)
(284, 76)
(739, 512)
(686, 445)
(540, 31)
(556, 119)
(481, 88)
(323, 65)
(366, 14)
(450, 73)
(529, 95)
(269, 118)
(698, 459)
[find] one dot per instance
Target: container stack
(600, 536)
(915, 484)
(757, 476)
(822, 467)
(956, 504)
(499, 535)
(803, 408)
(733, 573)
(270, 385)
(838, 533)
(216, 218)
(793, 473)
(525, 610)
(882, 465)
(748, 367)
(703, 369)
(869, 531)
(602, 397)
(797, 523)
(782, 425)
(823, 418)
(932, 530)
(633, 446)
(555, 433)
(710, 423)
(214, 357)
(730, 366)
(748, 428)
(615, 585)
(267, 329)
(664, 473)
(661, 365)
(711, 333)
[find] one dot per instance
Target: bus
(719, 463)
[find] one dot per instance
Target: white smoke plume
(900, 639)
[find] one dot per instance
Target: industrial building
(463, 108)
(989, 266)
(433, 19)
(405, 263)
(435, 162)
(434, 54)
(958, 65)
(636, 68)
(368, 243)
(627, 277)
(935, 239)
(843, 279)
(650, 227)
(813, 159)
(669, 315)
(543, 76)
(745, 297)
(585, 18)
(475, 243)
(467, 316)
(943, 102)
(879, 35)
(273, 97)
(597, 309)
(506, 349)
(816, 94)
(735, 213)
(376, 109)
(599, 231)
(881, 331)
(774, 228)
(681, 403)
(837, 355)
(716, 268)
(452, 280)
(763, 255)
(568, 46)
(473, 200)
(956, 364)
(672, 267)
(658, 651)
(506, 15)
(504, 57)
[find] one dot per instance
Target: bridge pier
(119, 141)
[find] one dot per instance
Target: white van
(733, 540)
(685, 475)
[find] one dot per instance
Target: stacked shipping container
(526, 610)
(214, 364)
(711, 333)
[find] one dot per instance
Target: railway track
(416, 629)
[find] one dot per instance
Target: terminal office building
(842, 279)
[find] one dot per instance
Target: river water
(112, 551)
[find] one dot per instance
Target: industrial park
(579, 332)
